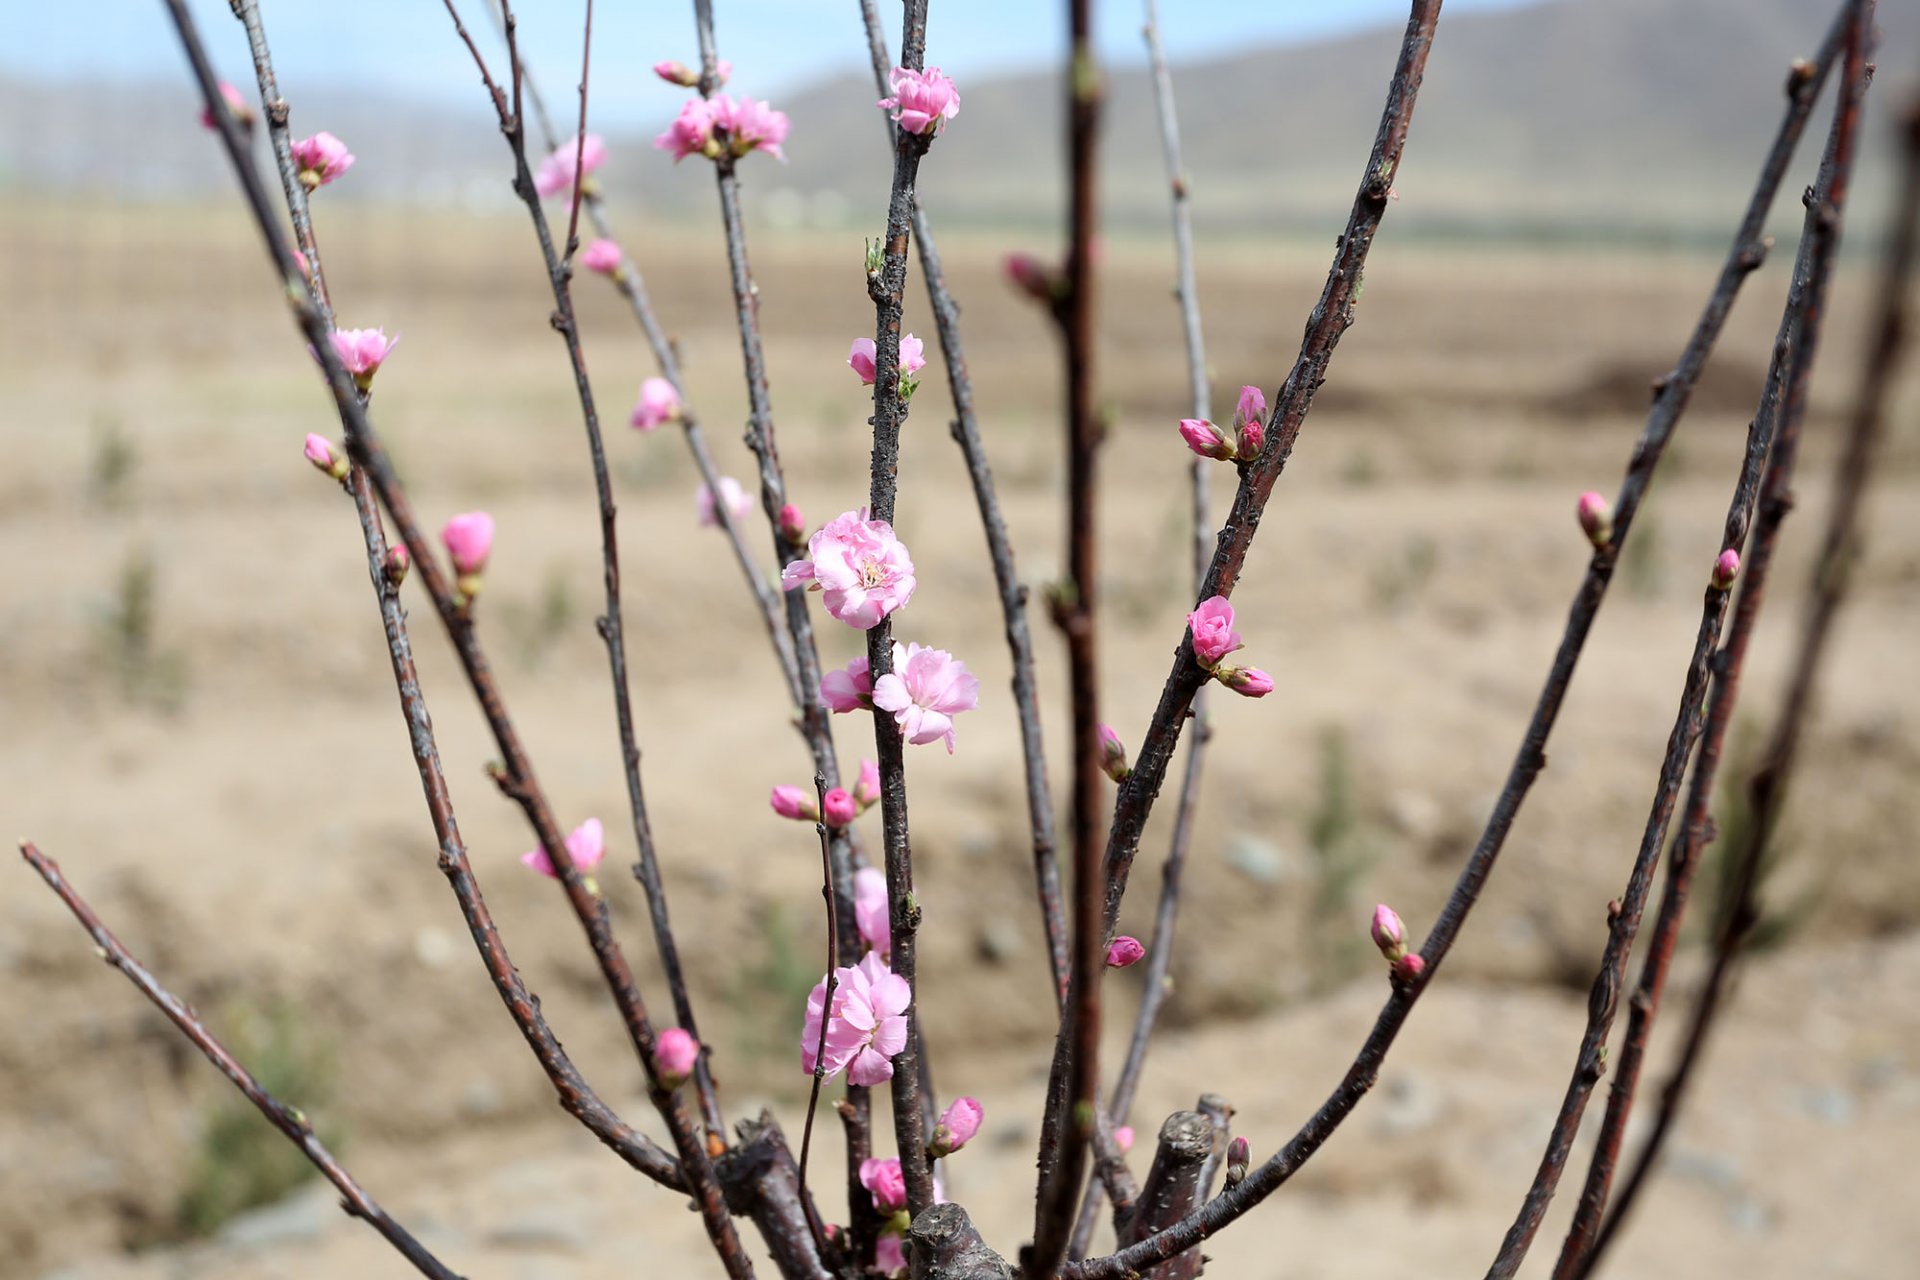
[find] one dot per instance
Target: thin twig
(518, 780)
(575, 1096)
(290, 1121)
(1073, 1093)
(1839, 551)
(275, 108)
(1187, 292)
(826, 1006)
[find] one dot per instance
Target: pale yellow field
(236, 796)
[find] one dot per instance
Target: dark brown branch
(1839, 551)
(943, 1245)
(762, 1183)
(575, 1096)
(276, 111)
(1160, 947)
(290, 1121)
(1746, 254)
(519, 781)
(1073, 1093)
(1175, 1186)
(832, 984)
(1013, 595)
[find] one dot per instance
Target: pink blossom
(1239, 1156)
(1248, 682)
(237, 104)
(750, 126)
(861, 566)
(1113, 754)
(793, 524)
(1726, 568)
(691, 132)
(738, 504)
(602, 256)
(469, 539)
(867, 790)
(792, 802)
(848, 688)
(659, 403)
(586, 845)
(321, 453)
(870, 909)
(397, 562)
(675, 1055)
(1388, 933)
(306, 269)
(1123, 1137)
(1249, 422)
(958, 1123)
(866, 1026)
(1206, 439)
(860, 359)
(1213, 634)
(362, 351)
(840, 808)
(1596, 518)
(320, 159)
(925, 692)
(888, 1185)
(889, 1257)
(1032, 277)
(686, 77)
(922, 101)
(555, 174)
(1124, 951)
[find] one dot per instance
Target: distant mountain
(1577, 117)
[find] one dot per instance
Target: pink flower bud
(321, 453)
(691, 133)
(887, 1184)
(958, 1123)
(1032, 277)
(306, 268)
(237, 104)
(1408, 968)
(1239, 1156)
(1206, 439)
(320, 159)
(1113, 754)
(792, 802)
(396, 563)
(659, 403)
(469, 539)
(922, 101)
(674, 1057)
(1595, 517)
(362, 352)
(677, 73)
(867, 790)
(1248, 682)
(793, 524)
(840, 808)
(1124, 951)
(555, 176)
(586, 846)
(1249, 422)
(1388, 933)
(602, 256)
(1123, 1138)
(731, 494)
(1213, 634)
(1726, 569)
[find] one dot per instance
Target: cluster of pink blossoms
(1391, 937)
(555, 175)
(1214, 638)
(1249, 431)
(720, 125)
(842, 806)
(860, 566)
(922, 101)
(925, 690)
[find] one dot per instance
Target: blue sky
(776, 46)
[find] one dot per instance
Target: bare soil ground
(216, 760)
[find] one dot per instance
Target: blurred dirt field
(201, 728)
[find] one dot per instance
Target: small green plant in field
(1402, 576)
(1734, 816)
(772, 984)
(1342, 849)
(128, 638)
(534, 627)
(114, 465)
(1640, 562)
(243, 1162)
